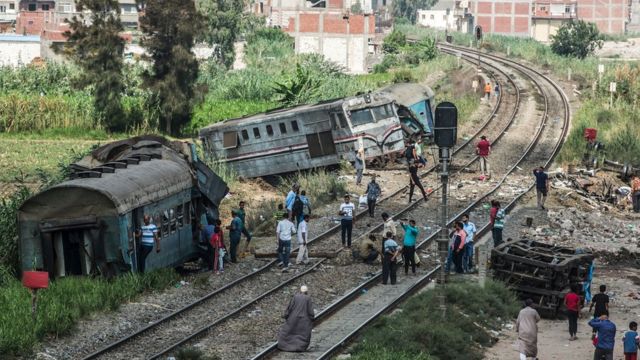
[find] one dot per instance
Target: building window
(269, 130)
(432, 17)
(32, 7)
(283, 128)
(65, 7)
(256, 133)
(45, 7)
(424, 17)
(245, 135)
(543, 8)
(294, 125)
(12, 6)
(3, 9)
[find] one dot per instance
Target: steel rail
(483, 230)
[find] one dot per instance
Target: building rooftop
(19, 38)
(444, 5)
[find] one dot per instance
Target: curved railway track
(545, 145)
(263, 286)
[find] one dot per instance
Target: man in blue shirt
(606, 337)
(235, 233)
(409, 245)
(291, 197)
(542, 185)
(206, 232)
(467, 256)
(389, 255)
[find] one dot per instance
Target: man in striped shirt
(148, 235)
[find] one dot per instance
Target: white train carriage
(309, 136)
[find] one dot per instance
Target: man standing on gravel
(291, 197)
(389, 255)
(284, 230)
(542, 185)
(235, 233)
(303, 236)
(483, 150)
(242, 215)
(606, 337)
(527, 329)
(409, 245)
(359, 165)
(295, 333)
(496, 216)
(347, 212)
(470, 230)
(389, 225)
(373, 192)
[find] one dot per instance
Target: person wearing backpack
(297, 209)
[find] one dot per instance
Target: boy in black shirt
(601, 302)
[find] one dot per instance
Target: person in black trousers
(347, 213)
(389, 266)
(373, 192)
(414, 180)
(458, 247)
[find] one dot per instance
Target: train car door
(68, 246)
(318, 131)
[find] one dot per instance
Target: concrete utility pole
(445, 133)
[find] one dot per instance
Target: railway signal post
(445, 134)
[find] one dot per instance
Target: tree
(169, 27)
(223, 20)
(576, 39)
(394, 42)
(357, 8)
(408, 9)
(96, 46)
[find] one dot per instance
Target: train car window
(269, 130)
(343, 120)
(294, 125)
(230, 139)
(283, 128)
(256, 133)
(382, 112)
(245, 135)
(165, 223)
(362, 116)
(180, 215)
(172, 221)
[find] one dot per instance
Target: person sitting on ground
(367, 250)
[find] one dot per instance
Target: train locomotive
(86, 225)
(323, 134)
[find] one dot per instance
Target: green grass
(64, 303)
(420, 332)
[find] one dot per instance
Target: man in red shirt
(572, 303)
(483, 149)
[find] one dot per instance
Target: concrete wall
(609, 15)
(503, 17)
(437, 19)
(18, 50)
(542, 29)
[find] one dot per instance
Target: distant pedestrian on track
(291, 197)
(242, 215)
(470, 230)
(347, 212)
(297, 209)
(542, 185)
(631, 340)
(483, 150)
(496, 91)
(303, 236)
(487, 91)
(148, 235)
(527, 329)
(458, 246)
(414, 180)
(410, 152)
(359, 165)
(373, 192)
(606, 337)
(295, 333)
(217, 245)
(496, 218)
(635, 193)
(235, 234)
(284, 231)
(572, 303)
(389, 258)
(409, 245)
(389, 226)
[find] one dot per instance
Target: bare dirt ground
(628, 50)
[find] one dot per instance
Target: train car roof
(127, 189)
(408, 93)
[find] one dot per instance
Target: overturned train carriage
(310, 136)
(86, 225)
(541, 271)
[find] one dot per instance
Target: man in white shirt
(347, 212)
(303, 252)
(284, 230)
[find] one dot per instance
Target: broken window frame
(227, 143)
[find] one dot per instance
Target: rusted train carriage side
(307, 136)
(86, 225)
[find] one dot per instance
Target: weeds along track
(542, 146)
(248, 288)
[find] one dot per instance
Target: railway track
(185, 317)
(544, 146)
(175, 322)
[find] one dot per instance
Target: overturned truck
(540, 271)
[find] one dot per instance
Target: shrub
(576, 38)
(393, 42)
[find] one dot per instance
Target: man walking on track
(487, 91)
(542, 185)
(347, 212)
(414, 180)
(527, 329)
(295, 333)
(483, 150)
(284, 231)
(359, 165)
(303, 235)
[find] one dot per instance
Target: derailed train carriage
(86, 225)
(310, 136)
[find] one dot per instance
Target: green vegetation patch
(64, 303)
(419, 330)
